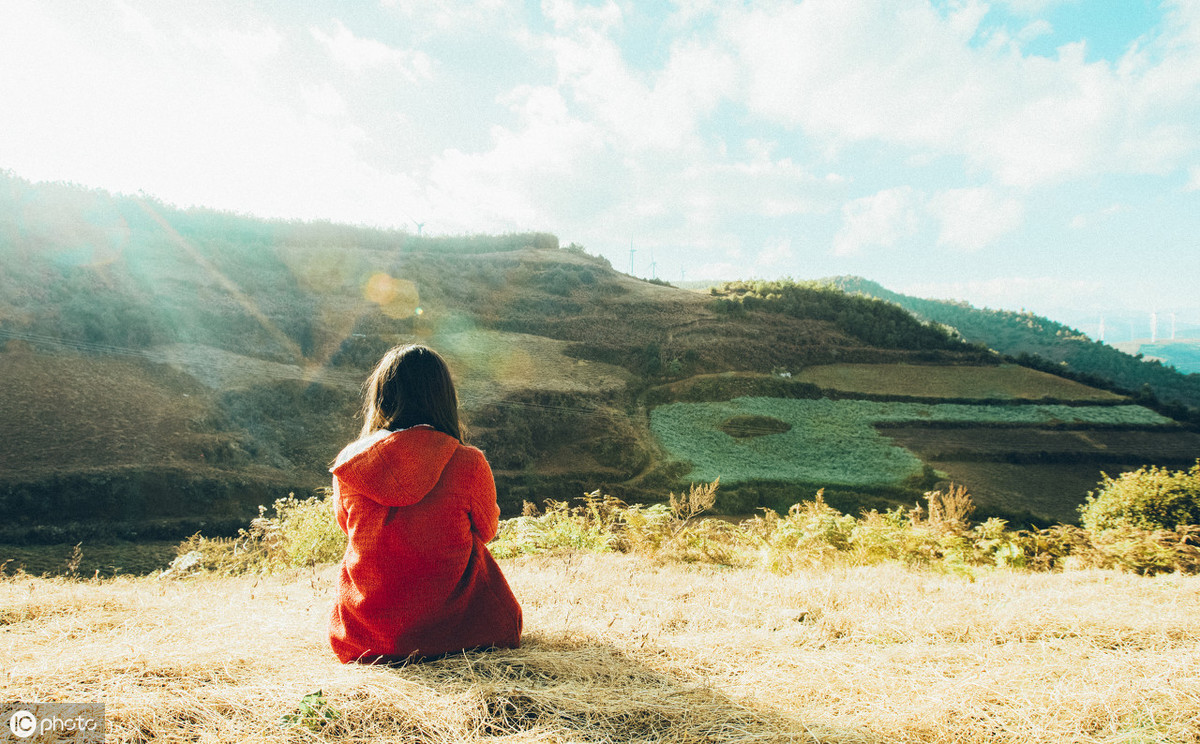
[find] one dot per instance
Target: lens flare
(397, 298)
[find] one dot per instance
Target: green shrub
(559, 526)
(604, 523)
(812, 533)
(309, 530)
(1149, 498)
(300, 533)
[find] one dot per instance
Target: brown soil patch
(1006, 381)
(1150, 446)
(62, 412)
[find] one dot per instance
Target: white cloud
(880, 220)
(761, 186)
(775, 253)
(658, 111)
(1194, 178)
(1034, 30)
(567, 15)
(324, 101)
(846, 71)
(1086, 220)
(1033, 7)
(849, 70)
(1034, 293)
(359, 54)
(688, 12)
(519, 182)
(227, 113)
(423, 18)
(973, 218)
(719, 270)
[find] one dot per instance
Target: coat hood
(396, 468)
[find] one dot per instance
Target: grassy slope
(618, 648)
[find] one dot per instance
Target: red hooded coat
(417, 579)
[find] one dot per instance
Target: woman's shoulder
(359, 447)
(387, 445)
(470, 455)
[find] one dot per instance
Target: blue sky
(1037, 154)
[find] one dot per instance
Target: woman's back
(417, 580)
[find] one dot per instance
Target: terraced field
(1019, 445)
(1005, 381)
(1049, 492)
(835, 442)
(1044, 472)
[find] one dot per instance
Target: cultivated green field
(834, 442)
(1006, 381)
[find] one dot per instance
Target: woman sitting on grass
(418, 506)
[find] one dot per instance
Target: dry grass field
(621, 648)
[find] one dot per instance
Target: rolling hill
(168, 370)
(1036, 338)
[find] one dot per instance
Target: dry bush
(699, 499)
(952, 508)
(1150, 552)
(560, 526)
(812, 533)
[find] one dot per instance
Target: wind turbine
(653, 265)
(419, 226)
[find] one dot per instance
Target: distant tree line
(872, 321)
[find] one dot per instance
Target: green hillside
(1060, 348)
(168, 370)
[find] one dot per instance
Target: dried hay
(625, 648)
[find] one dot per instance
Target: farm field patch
(1158, 447)
(835, 442)
(1050, 491)
(77, 418)
(1006, 381)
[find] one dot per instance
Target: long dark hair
(411, 385)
